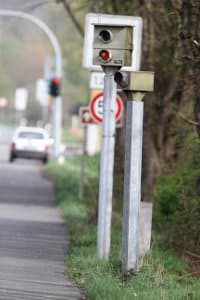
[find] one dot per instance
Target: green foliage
(177, 200)
(162, 274)
(123, 7)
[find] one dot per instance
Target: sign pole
(106, 166)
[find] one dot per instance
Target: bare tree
(188, 12)
(72, 16)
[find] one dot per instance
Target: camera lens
(105, 35)
(122, 79)
(118, 77)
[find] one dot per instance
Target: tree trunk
(189, 37)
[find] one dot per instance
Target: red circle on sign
(96, 115)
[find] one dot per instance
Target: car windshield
(30, 135)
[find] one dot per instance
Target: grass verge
(162, 276)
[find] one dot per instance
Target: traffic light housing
(54, 87)
(112, 45)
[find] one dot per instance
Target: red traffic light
(56, 80)
(54, 87)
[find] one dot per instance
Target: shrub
(177, 200)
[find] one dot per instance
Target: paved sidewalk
(33, 237)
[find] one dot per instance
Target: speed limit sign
(96, 108)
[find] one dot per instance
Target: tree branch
(188, 120)
(192, 254)
(72, 16)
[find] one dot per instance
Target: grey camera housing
(119, 45)
(142, 81)
(94, 19)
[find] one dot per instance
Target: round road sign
(96, 108)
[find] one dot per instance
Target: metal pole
(82, 167)
(106, 167)
(57, 125)
(58, 70)
(132, 185)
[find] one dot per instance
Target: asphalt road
(33, 236)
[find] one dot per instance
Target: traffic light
(142, 81)
(112, 45)
(54, 87)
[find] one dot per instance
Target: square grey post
(132, 186)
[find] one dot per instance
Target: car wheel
(11, 158)
(45, 160)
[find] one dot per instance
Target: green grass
(162, 276)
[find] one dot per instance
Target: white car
(30, 142)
